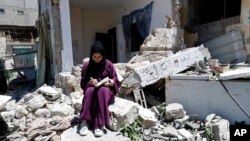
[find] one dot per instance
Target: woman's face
(97, 57)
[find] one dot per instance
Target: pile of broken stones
(47, 112)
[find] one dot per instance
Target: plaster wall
(77, 34)
(85, 24)
(161, 8)
(202, 97)
(67, 54)
(19, 12)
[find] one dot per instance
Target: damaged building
(183, 66)
(17, 39)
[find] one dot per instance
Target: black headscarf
(94, 67)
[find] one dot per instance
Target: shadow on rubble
(19, 87)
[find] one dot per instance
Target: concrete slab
(72, 135)
(3, 100)
(149, 74)
(237, 73)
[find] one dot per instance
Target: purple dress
(96, 100)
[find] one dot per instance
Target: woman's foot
(83, 129)
(98, 132)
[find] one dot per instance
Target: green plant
(132, 131)
(162, 109)
(209, 133)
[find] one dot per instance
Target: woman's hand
(109, 83)
(92, 81)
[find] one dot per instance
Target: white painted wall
(67, 54)
(161, 8)
(11, 16)
(100, 21)
(206, 97)
(93, 21)
(77, 34)
(122, 56)
(85, 24)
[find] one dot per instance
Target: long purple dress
(96, 100)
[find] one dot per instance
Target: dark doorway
(103, 38)
(206, 11)
(113, 44)
(136, 38)
(109, 42)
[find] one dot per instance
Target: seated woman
(94, 113)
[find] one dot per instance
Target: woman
(95, 113)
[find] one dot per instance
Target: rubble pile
(173, 124)
(177, 125)
(40, 114)
(163, 39)
(42, 117)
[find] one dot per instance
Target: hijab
(93, 67)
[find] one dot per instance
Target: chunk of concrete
(174, 111)
(147, 117)
(124, 112)
(21, 111)
(149, 74)
(49, 92)
(43, 113)
(35, 103)
(62, 110)
(170, 131)
(76, 70)
(163, 39)
(3, 100)
(220, 128)
(186, 134)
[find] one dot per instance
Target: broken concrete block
(3, 100)
(76, 70)
(76, 98)
(147, 118)
(124, 112)
(43, 113)
(21, 111)
(59, 80)
(170, 131)
(8, 115)
(186, 134)
(210, 117)
(182, 120)
(62, 110)
(220, 128)
(163, 39)
(174, 111)
(149, 74)
(77, 84)
(35, 103)
(131, 67)
(11, 105)
(151, 56)
(76, 95)
(49, 92)
(68, 82)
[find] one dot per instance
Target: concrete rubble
(43, 115)
(41, 119)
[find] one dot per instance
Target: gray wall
(19, 12)
(204, 97)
